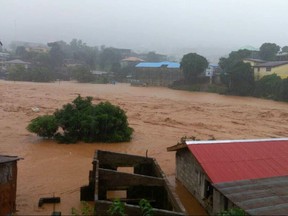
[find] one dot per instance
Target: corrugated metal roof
(266, 196)
(6, 159)
(158, 64)
(225, 161)
(271, 64)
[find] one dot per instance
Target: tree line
(238, 77)
(55, 64)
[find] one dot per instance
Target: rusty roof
(6, 158)
(266, 196)
(228, 160)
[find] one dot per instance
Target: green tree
(44, 126)
(268, 51)
(284, 49)
(284, 89)
(227, 64)
(193, 65)
(83, 121)
(56, 54)
(269, 86)
(82, 74)
(17, 73)
(241, 79)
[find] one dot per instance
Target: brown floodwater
(159, 116)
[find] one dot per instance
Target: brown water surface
(159, 116)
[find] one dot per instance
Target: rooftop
(7, 159)
(158, 65)
(271, 64)
(266, 196)
(233, 160)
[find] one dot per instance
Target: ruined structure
(8, 184)
(135, 178)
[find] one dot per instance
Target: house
(249, 174)
(129, 178)
(271, 67)
(157, 73)
(253, 62)
(8, 184)
(16, 62)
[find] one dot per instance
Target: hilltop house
(272, 67)
(8, 184)
(249, 174)
(262, 68)
(157, 73)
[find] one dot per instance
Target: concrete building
(157, 73)
(129, 178)
(249, 174)
(8, 184)
(272, 67)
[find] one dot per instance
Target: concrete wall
(190, 174)
(158, 76)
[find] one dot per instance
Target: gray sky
(159, 25)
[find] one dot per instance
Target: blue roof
(158, 64)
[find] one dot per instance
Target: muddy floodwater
(159, 116)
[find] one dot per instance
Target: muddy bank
(159, 116)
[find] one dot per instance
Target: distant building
(158, 73)
(253, 62)
(272, 67)
(249, 174)
(16, 62)
(262, 68)
(8, 184)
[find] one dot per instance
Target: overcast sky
(157, 25)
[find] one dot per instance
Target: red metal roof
(240, 160)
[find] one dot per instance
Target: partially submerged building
(133, 178)
(8, 184)
(248, 174)
(157, 73)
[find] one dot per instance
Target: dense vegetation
(83, 121)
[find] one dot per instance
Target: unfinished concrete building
(129, 178)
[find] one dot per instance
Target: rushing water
(159, 116)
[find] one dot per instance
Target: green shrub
(83, 121)
(232, 212)
(269, 86)
(146, 208)
(117, 208)
(44, 126)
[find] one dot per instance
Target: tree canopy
(241, 79)
(268, 51)
(83, 121)
(193, 65)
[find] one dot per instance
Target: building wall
(191, 175)
(281, 71)
(8, 178)
(252, 63)
(157, 76)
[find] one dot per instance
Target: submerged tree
(83, 121)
